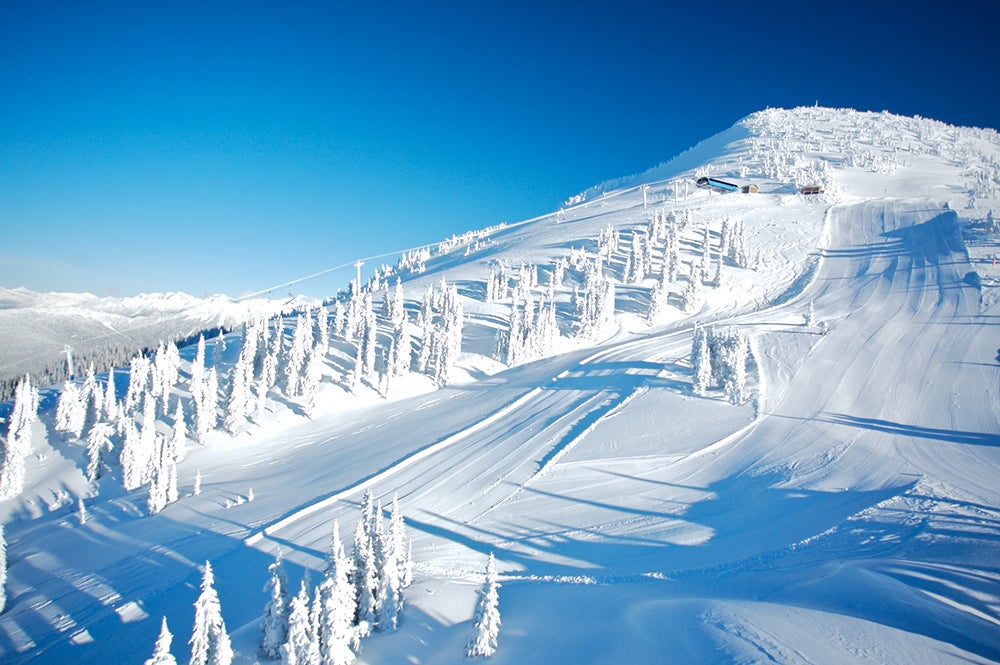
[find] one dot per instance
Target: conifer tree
(701, 363)
(275, 624)
(338, 605)
(487, 618)
(71, 411)
(99, 444)
(110, 400)
(161, 652)
(301, 647)
(178, 440)
(209, 642)
(197, 382)
(365, 579)
(18, 445)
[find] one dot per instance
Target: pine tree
(99, 443)
(701, 362)
(296, 357)
(205, 415)
(487, 618)
(209, 642)
(301, 647)
(197, 382)
(275, 624)
(18, 446)
(161, 652)
(365, 579)
(338, 606)
(71, 411)
(178, 440)
(110, 396)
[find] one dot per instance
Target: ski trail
(391, 470)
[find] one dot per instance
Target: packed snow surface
(848, 511)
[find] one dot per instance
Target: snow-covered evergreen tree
(177, 449)
(138, 381)
(196, 384)
(18, 445)
(295, 358)
(206, 406)
(301, 647)
(486, 621)
(130, 458)
(99, 444)
(161, 652)
(71, 411)
(338, 606)
(365, 579)
(210, 644)
(275, 623)
(692, 297)
(701, 363)
(110, 399)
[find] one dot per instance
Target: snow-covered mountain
(37, 327)
(823, 490)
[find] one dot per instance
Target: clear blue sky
(229, 146)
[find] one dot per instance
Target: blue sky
(230, 146)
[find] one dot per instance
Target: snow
(848, 513)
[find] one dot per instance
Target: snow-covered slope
(849, 512)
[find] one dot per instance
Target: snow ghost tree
(209, 642)
(161, 652)
(275, 624)
(18, 445)
(301, 647)
(337, 607)
(486, 622)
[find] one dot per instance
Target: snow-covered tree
(130, 457)
(138, 381)
(177, 449)
(275, 624)
(486, 621)
(365, 579)
(161, 652)
(810, 315)
(692, 297)
(301, 647)
(110, 399)
(206, 406)
(99, 445)
(196, 384)
(295, 358)
(701, 363)
(337, 607)
(210, 644)
(71, 411)
(18, 445)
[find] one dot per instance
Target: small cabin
(749, 189)
(812, 189)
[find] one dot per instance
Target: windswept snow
(849, 512)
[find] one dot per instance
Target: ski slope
(850, 513)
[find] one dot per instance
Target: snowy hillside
(690, 427)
